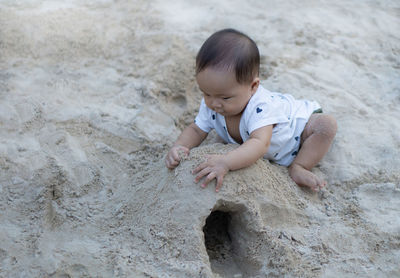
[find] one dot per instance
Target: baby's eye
(226, 97)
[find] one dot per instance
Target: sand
(93, 93)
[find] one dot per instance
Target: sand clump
(93, 93)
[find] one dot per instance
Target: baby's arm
(191, 136)
(245, 155)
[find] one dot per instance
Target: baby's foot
(303, 177)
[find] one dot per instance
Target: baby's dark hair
(231, 50)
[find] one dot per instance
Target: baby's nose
(216, 103)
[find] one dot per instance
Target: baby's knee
(327, 126)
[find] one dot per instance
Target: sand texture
(93, 93)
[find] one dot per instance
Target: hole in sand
(220, 240)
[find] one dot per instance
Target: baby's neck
(232, 124)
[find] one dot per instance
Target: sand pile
(238, 231)
(260, 224)
(92, 94)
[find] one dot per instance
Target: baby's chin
(228, 114)
(223, 113)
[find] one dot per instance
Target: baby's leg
(316, 139)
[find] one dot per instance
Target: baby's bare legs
(316, 140)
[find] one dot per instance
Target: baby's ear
(254, 84)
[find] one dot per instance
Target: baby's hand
(215, 168)
(173, 157)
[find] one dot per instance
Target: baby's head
(227, 68)
(230, 50)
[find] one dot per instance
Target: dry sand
(92, 94)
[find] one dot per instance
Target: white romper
(266, 108)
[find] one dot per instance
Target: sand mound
(259, 224)
(236, 231)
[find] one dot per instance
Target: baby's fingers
(201, 167)
(172, 159)
(171, 163)
(185, 150)
(209, 178)
(220, 179)
(201, 174)
(175, 155)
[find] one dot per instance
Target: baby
(275, 126)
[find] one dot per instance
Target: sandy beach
(93, 94)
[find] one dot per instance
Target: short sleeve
(264, 113)
(203, 118)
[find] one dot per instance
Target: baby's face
(222, 93)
